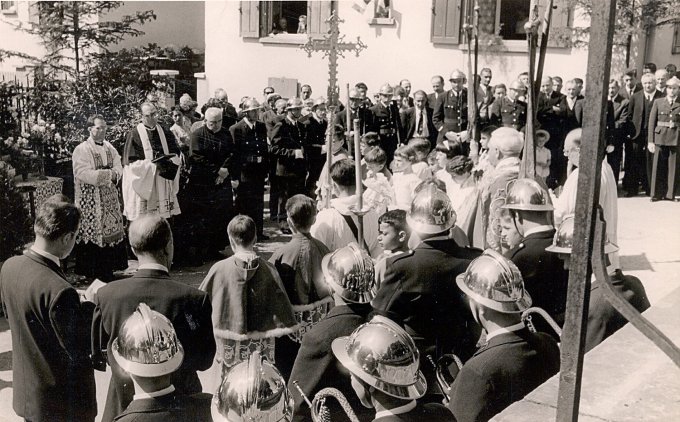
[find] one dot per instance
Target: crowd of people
(450, 250)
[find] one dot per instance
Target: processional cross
(332, 45)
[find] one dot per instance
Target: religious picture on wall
(383, 9)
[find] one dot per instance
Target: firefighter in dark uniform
(544, 275)
(287, 149)
(358, 110)
(451, 111)
(387, 122)
(315, 138)
(510, 111)
(252, 158)
(663, 141)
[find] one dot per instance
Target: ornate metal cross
(333, 45)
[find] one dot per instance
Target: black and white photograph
(339, 210)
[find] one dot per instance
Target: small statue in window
(382, 9)
(302, 24)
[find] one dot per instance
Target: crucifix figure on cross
(332, 45)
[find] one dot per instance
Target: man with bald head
(188, 309)
(151, 159)
(505, 148)
(229, 112)
(211, 183)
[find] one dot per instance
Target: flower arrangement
(21, 156)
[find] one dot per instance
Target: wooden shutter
(250, 19)
(560, 26)
(317, 13)
(446, 21)
(487, 16)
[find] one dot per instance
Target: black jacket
(502, 372)
(169, 408)
(638, 113)
(544, 276)
(316, 368)
(286, 137)
(315, 138)
(51, 369)
(409, 123)
(420, 291)
(189, 310)
(365, 116)
(251, 152)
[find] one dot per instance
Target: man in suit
(574, 103)
(286, 149)
(638, 164)
(418, 289)
(147, 349)
(251, 161)
(314, 141)
(544, 276)
(662, 141)
(551, 111)
(510, 111)
(52, 374)
(514, 361)
(382, 362)
(485, 97)
(406, 85)
(437, 82)
(188, 309)
(450, 111)
(417, 121)
(315, 367)
(388, 122)
(618, 132)
(357, 110)
(630, 85)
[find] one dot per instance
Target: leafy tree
(70, 31)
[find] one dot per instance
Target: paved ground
(649, 237)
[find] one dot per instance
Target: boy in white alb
(404, 180)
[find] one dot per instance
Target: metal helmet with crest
(384, 356)
(253, 390)
(494, 281)
(563, 241)
(431, 210)
(349, 271)
(526, 194)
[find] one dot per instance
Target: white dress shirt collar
(153, 266)
(397, 410)
(504, 330)
(144, 395)
(47, 255)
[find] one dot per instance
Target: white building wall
(242, 66)
(659, 47)
(12, 39)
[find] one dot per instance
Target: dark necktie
(419, 128)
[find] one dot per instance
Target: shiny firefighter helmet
(253, 390)
(431, 210)
(251, 104)
(563, 240)
(350, 272)
(147, 345)
(384, 356)
(527, 195)
(494, 281)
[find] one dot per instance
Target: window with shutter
(446, 21)
(560, 25)
(317, 13)
(8, 7)
(250, 19)
(675, 49)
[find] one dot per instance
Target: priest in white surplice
(151, 160)
(100, 248)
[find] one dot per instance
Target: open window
(284, 21)
(8, 7)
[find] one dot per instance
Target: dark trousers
(250, 200)
(211, 210)
(99, 262)
(664, 166)
(313, 173)
(558, 167)
(636, 167)
(288, 186)
(389, 143)
(614, 159)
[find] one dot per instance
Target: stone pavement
(649, 238)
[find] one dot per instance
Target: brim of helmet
(528, 207)
(251, 109)
(426, 228)
(294, 108)
(608, 248)
(504, 307)
(149, 369)
(348, 295)
(412, 392)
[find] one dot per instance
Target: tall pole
(348, 118)
(545, 36)
(359, 210)
(472, 74)
(587, 199)
(528, 165)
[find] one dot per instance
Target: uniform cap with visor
(494, 281)
(384, 356)
(457, 74)
(294, 103)
(251, 104)
(386, 90)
